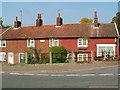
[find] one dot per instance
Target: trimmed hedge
(59, 54)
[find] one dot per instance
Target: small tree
(117, 20)
(59, 54)
(85, 21)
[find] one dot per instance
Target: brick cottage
(80, 40)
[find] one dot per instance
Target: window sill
(2, 46)
(30, 46)
(83, 47)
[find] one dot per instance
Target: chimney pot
(16, 18)
(59, 20)
(17, 23)
(95, 19)
(39, 21)
(40, 15)
(58, 14)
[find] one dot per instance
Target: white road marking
(105, 74)
(42, 74)
(88, 75)
(71, 75)
(20, 74)
(28, 74)
(57, 75)
(1, 72)
(67, 75)
(118, 74)
(14, 73)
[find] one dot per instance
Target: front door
(10, 58)
(70, 57)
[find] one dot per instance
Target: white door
(10, 58)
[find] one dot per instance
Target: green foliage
(33, 55)
(86, 21)
(7, 26)
(58, 54)
(45, 58)
(117, 20)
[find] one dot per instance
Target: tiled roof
(2, 30)
(107, 30)
(65, 31)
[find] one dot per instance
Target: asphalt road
(89, 78)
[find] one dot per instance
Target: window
(82, 57)
(21, 57)
(82, 42)
(105, 49)
(30, 43)
(2, 56)
(2, 43)
(42, 41)
(53, 42)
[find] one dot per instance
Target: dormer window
(82, 42)
(2, 43)
(30, 43)
(53, 42)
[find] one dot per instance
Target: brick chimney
(17, 23)
(59, 20)
(1, 22)
(39, 21)
(95, 19)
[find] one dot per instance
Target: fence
(72, 57)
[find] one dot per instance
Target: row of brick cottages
(78, 39)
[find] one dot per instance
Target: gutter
(5, 31)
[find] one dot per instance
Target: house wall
(44, 46)
(15, 47)
(69, 44)
(94, 41)
(20, 46)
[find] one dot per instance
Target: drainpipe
(117, 40)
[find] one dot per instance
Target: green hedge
(58, 54)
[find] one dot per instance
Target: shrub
(45, 58)
(58, 54)
(33, 55)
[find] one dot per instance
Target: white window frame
(82, 40)
(30, 45)
(82, 54)
(19, 56)
(1, 43)
(3, 57)
(13, 58)
(42, 41)
(52, 42)
(105, 45)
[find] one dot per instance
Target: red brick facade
(20, 46)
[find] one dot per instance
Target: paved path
(57, 68)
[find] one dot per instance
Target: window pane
(2, 56)
(21, 58)
(84, 42)
(55, 42)
(28, 42)
(32, 43)
(80, 41)
(3, 43)
(101, 51)
(80, 57)
(109, 51)
(84, 57)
